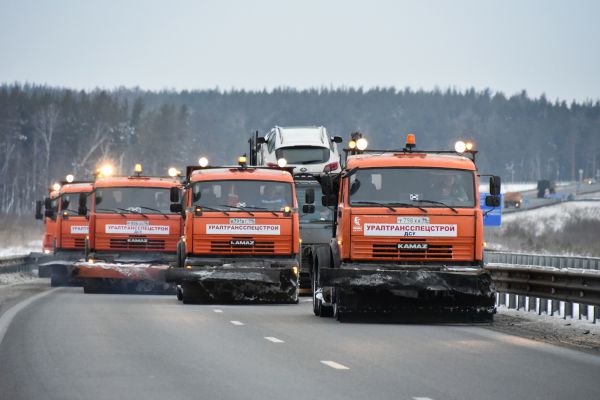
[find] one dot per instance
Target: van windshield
(303, 154)
(423, 187)
(232, 195)
(133, 200)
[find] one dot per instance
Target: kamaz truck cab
(132, 232)
(69, 230)
(408, 235)
(241, 239)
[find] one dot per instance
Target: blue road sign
(491, 216)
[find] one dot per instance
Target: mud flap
(236, 284)
(368, 290)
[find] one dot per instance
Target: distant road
(531, 200)
(74, 346)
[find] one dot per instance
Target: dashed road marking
(422, 398)
(237, 323)
(334, 365)
(307, 300)
(217, 310)
(274, 339)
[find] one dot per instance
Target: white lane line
(217, 310)
(307, 300)
(7, 318)
(422, 398)
(274, 339)
(237, 323)
(334, 365)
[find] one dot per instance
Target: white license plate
(242, 221)
(413, 220)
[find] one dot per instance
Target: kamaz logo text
(241, 243)
(412, 246)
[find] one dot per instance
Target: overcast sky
(549, 47)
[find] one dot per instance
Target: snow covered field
(31, 246)
(515, 187)
(569, 228)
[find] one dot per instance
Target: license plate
(413, 220)
(242, 221)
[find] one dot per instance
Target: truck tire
(180, 254)
(319, 309)
(58, 277)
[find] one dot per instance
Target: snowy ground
(568, 228)
(515, 187)
(17, 278)
(574, 333)
(32, 246)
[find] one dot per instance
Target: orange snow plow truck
(66, 230)
(242, 235)
(408, 235)
(132, 234)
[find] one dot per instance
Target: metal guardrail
(502, 257)
(24, 263)
(547, 284)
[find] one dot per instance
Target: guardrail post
(521, 302)
(595, 314)
(512, 301)
(568, 310)
(583, 311)
(543, 307)
(554, 307)
(532, 303)
(501, 299)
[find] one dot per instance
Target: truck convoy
(241, 238)
(65, 231)
(132, 233)
(408, 234)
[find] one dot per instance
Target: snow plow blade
(460, 290)
(264, 281)
(105, 277)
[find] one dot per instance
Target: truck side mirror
(48, 203)
(309, 196)
(495, 185)
(261, 140)
(329, 200)
(49, 214)
(326, 184)
(308, 209)
(337, 139)
(174, 195)
(82, 210)
(175, 207)
(492, 201)
(38, 210)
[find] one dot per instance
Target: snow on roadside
(32, 246)
(553, 218)
(14, 278)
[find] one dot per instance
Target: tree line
(46, 132)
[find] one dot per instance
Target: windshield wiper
(438, 202)
(410, 205)
(212, 209)
(375, 204)
(263, 209)
(133, 211)
(238, 208)
(154, 209)
(110, 210)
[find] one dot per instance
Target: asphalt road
(68, 345)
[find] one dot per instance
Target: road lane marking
(307, 301)
(274, 339)
(334, 365)
(237, 323)
(7, 318)
(422, 398)
(217, 310)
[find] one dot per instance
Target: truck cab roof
(76, 188)
(414, 159)
(137, 181)
(238, 173)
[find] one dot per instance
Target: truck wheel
(58, 277)
(319, 309)
(180, 254)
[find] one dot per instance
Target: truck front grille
(137, 242)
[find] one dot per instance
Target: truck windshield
(135, 200)
(69, 202)
(322, 214)
(424, 187)
(303, 154)
(231, 195)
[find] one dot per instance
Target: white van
(306, 148)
